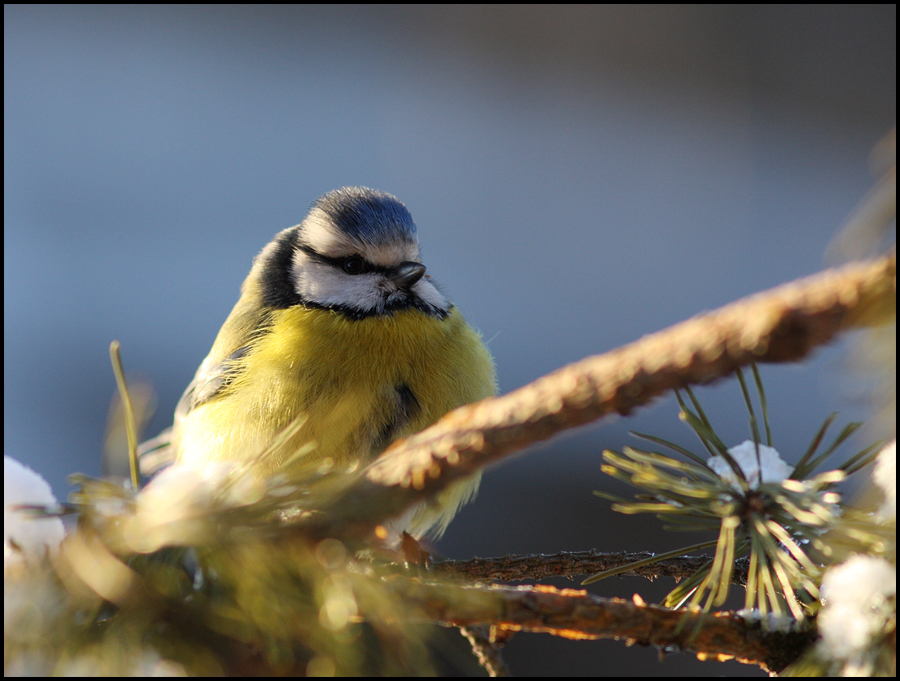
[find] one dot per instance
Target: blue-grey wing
(211, 380)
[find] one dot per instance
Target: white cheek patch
(425, 290)
(328, 286)
(323, 284)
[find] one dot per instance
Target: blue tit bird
(339, 332)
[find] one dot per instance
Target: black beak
(407, 273)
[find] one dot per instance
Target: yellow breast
(357, 385)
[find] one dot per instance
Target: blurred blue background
(580, 176)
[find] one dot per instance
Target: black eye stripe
(342, 264)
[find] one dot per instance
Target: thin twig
(486, 650)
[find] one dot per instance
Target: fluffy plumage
(337, 325)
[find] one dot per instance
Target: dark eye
(354, 265)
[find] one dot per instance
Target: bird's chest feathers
(374, 376)
(325, 347)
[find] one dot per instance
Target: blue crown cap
(368, 215)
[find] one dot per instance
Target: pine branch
(570, 564)
(579, 615)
